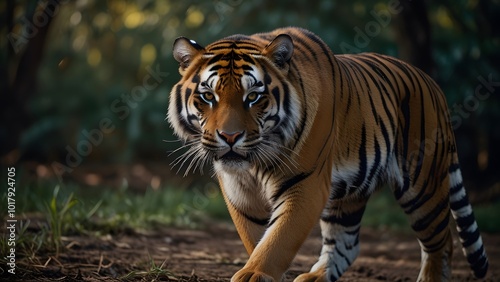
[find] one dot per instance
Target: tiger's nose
(230, 137)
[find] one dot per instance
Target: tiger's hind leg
(340, 225)
(427, 206)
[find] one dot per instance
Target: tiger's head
(234, 104)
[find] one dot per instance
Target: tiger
(296, 134)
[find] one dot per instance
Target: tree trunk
(413, 35)
(25, 52)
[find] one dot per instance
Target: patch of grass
(383, 211)
(58, 210)
(165, 206)
(153, 272)
(58, 216)
(71, 209)
(28, 246)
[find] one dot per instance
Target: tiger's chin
(232, 161)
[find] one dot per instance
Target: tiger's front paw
(249, 275)
(311, 277)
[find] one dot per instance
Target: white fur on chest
(244, 191)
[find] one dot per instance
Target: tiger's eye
(252, 96)
(208, 96)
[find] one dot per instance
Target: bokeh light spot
(94, 57)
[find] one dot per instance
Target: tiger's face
(234, 105)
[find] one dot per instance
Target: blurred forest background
(85, 84)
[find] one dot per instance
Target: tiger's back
(298, 134)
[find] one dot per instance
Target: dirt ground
(214, 254)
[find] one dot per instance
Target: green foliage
(57, 217)
(166, 206)
(74, 208)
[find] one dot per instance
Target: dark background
(85, 84)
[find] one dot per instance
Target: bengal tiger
(297, 134)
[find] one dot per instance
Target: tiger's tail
(461, 210)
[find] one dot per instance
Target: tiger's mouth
(232, 156)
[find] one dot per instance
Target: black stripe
(387, 139)
(258, 221)
(233, 47)
(287, 184)
(342, 255)
(366, 72)
(418, 200)
(247, 59)
(346, 220)
(377, 60)
(457, 188)
(405, 110)
(270, 223)
(179, 106)
(469, 238)
(375, 167)
(423, 223)
(354, 231)
(456, 205)
(276, 94)
(214, 68)
(401, 190)
(286, 100)
(274, 118)
(339, 273)
(355, 243)
(421, 198)
(421, 149)
(306, 46)
(472, 258)
(478, 262)
(329, 241)
(300, 130)
(339, 189)
(196, 78)
(442, 242)
(278, 206)
(388, 112)
(454, 167)
(361, 176)
(465, 222)
(215, 59)
(440, 227)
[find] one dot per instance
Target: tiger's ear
(184, 52)
(280, 50)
